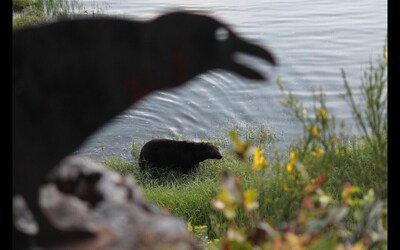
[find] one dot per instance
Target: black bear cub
(180, 156)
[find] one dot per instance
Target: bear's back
(167, 153)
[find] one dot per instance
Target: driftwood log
(83, 195)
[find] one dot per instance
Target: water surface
(312, 41)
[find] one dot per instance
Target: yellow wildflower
(285, 187)
(386, 56)
(258, 158)
(189, 227)
(235, 235)
(240, 147)
(323, 113)
(229, 198)
(314, 131)
(290, 165)
(294, 241)
(348, 191)
(292, 156)
(309, 188)
(250, 199)
(317, 153)
(304, 112)
(226, 203)
(358, 246)
(282, 102)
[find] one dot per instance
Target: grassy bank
(189, 196)
(32, 12)
(323, 181)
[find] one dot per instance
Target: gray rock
(83, 195)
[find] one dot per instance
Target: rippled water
(312, 40)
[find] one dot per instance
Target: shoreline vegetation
(26, 12)
(328, 190)
(33, 12)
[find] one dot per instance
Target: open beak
(235, 45)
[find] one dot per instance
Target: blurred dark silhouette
(73, 76)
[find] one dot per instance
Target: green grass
(189, 196)
(186, 196)
(357, 164)
(19, 5)
(29, 12)
(28, 18)
(120, 166)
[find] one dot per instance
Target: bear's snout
(217, 155)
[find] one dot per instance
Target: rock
(83, 195)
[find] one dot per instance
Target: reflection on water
(312, 40)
